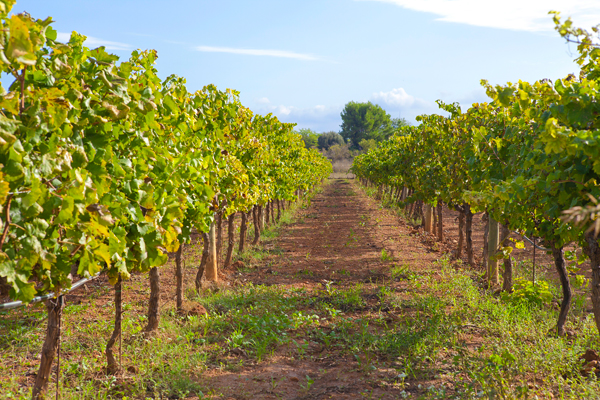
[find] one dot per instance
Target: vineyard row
(105, 167)
(529, 158)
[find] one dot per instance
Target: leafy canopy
(365, 121)
(309, 137)
(328, 139)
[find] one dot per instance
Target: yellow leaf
(103, 252)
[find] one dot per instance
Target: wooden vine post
(461, 233)
(469, 234)
(507, 276)
(203, 261)
(278, 209)
(486, 243)
(211, 263)
(428, 218)
(261, 217)
(594, 254)
(440, 221)
(219, 236)
(179, 278)
(243, 229)
(256, 222)
(493, 241)
(230, 240)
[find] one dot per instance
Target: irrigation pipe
(17, 304)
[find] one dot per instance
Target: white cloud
(263, 100)
(398, 103)
(257, 52)
(398, 100)
(527, 15)
(319, 118)
(93, 42)
(282, 110)
(395, 97)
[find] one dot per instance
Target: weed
(352, 239)
(301, 348)
(530, 292)
(402, 272)
(305, 272)
(275, 383)
(365, 362)
(307, 385)
(363, 220)
(255, 254)
(384, 293)
(385, 256)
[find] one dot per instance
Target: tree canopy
(367, 144)
(309, 137)
(365, 121)
(398, 123)
(328, 139)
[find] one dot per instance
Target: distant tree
(310, 137)
(365, 121)
(398, 123)
(367, 144)
(328, 139)
(339, 152)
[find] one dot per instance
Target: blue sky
(303, 60)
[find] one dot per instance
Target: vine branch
(5, 232)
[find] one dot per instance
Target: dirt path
(343, 239)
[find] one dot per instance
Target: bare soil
(339, 239)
